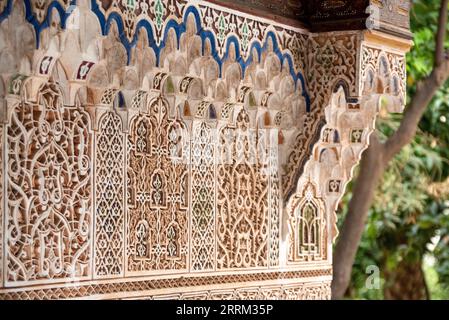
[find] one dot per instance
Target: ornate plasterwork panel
(349, 123)
(203, 198)
(383, 72)
(308, 232)
(178, 149)
(110, 195)
(158, 192)
(242, 197)
(49, 189)
(333, 62)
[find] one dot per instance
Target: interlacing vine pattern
(49, 188)
(275, 199)
(158, 185)
(173, 149)
(242, 197)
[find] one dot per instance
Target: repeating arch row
(65, 9)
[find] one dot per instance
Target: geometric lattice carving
(312, 291)
(49, 190)
(141, 287)
(109, 190)
(203, 198)
(242, 199)
(319, 291)
(275, 199)
(157, 192)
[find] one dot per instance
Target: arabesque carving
(173, 149)
(48, 188)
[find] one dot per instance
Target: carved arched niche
(179, 140)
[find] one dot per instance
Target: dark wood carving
(331, 15)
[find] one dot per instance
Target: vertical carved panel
(275, 197)
(242, 199)
(157, 192)
(203, 199)
(109, 224)
(49, 190)
(139, 151)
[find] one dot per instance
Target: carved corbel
(350, 115)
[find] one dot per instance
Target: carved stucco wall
(174, 149)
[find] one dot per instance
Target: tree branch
(425, 91)
(377, 157)
(371, 169)
(424, 94)
(374, 161)
(441, 34)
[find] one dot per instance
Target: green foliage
(407, 221)
(437, 290)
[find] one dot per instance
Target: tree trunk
(406, 282)
(371, 169)
(377, 157)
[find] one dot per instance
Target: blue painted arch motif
(258, 45)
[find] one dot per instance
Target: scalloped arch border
(283, 55)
